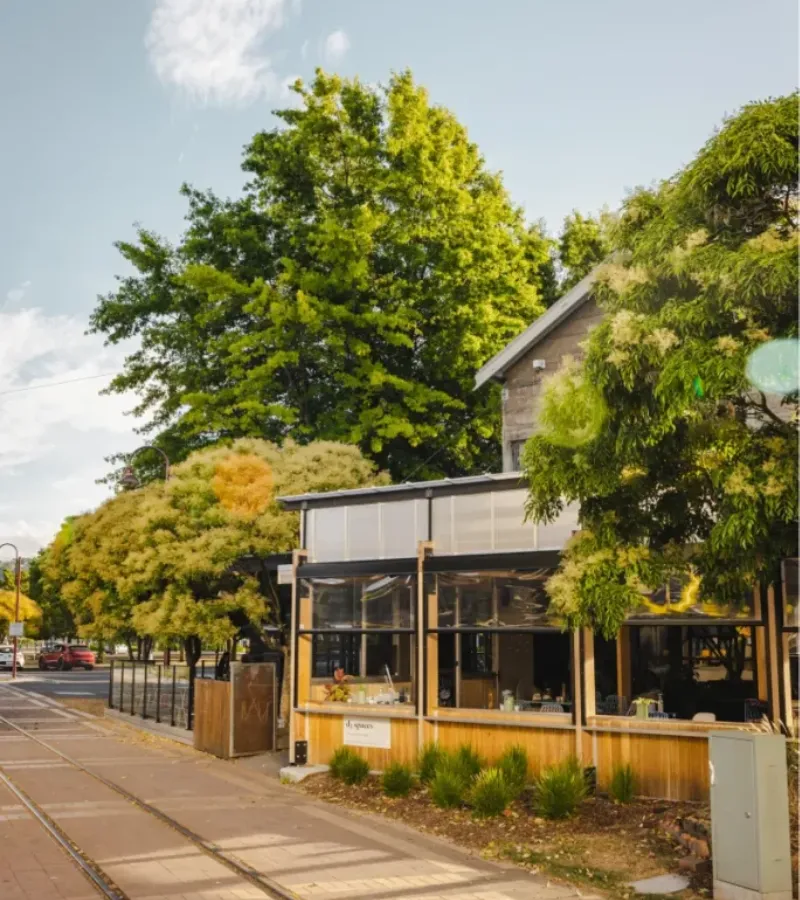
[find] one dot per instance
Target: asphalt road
(76, 683)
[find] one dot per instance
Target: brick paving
(314, 849)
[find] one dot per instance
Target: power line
(49, 384)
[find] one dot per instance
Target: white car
(7, 657)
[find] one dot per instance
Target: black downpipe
(172, 713)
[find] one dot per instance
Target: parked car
(7, 657)
(66, 656)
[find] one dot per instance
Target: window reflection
(361, 602)
(697, 670)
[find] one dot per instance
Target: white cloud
(214, 49)
(336, 46)
(54, 439)
(34, 350)
(304, 50)
(15, 295)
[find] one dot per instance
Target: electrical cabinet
(749, 816)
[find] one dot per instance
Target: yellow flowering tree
(164, 562)
(678, 431)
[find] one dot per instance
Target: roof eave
(562, 309)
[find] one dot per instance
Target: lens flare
(773, 367)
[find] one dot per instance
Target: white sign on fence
(368, 733)
(16, 629)
(285, 574)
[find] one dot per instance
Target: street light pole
(18, 578)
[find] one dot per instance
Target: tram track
(101, 881)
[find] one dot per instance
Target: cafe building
(419, 613)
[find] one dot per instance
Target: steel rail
(270, 888)
(88, 867)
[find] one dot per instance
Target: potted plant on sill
(339, 691)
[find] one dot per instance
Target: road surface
(61, 685)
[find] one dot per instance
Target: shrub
(468, 762)
(514, 766)
(428, 760)
(448, 787)
(623, 784)
(397, 780)
(560, 789)
(491, 793)
(348, 766)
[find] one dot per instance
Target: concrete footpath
(314, 849)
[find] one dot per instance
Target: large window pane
(697, 670)
(496, 600)
(505, 669)
(680, 599)
(361, 602)
(374, 664)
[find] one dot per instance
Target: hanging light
(129, 481)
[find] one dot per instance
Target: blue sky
(108, 106)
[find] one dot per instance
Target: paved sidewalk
(315, 849)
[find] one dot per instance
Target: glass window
(359, 650)
(508, 666)
(509, 670)
(516, 448)
(496, 600)
(696, 671)
(363, 668)
(375, 601)
(680, 599)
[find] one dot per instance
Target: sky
(107, 107)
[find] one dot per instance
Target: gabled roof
(562, 309)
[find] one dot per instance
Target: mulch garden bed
(603, 847)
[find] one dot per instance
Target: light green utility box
(749, 816)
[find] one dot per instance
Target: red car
(66, 656)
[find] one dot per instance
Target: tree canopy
(585, 241)
(372, 265)
(163, 561)
(678, 431)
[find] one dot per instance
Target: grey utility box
(749, 816)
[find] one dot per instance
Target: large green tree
(678, 432)
(584, 243)
(371, 267)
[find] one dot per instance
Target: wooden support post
(787, 710)
(589, 683)
(577, 691)
(773, 654)
(762, 680)
(423, 549)
(297, 556)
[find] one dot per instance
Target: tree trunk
(147, 648)
(168, 655)
(130, 649)
(193, 647)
